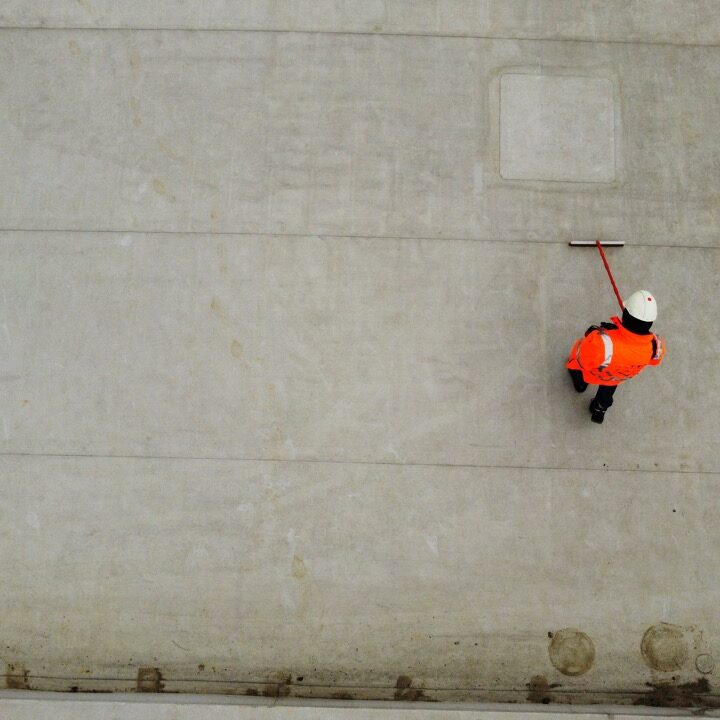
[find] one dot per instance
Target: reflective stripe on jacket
(611, 356)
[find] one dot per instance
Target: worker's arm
(658, 350)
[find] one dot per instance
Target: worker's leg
(604, 395)
(602, 401)
(577, 380)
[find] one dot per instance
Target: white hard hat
(642, 306)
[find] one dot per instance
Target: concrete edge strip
(328, 708)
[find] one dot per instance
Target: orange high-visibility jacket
(611, 356)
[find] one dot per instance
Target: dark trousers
(604, 395)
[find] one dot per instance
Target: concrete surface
(284, 405)
(333, 134)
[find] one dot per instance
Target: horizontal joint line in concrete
(330, 461)
(326, 235)
(300, 685)
(56, 28)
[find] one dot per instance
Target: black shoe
(597, 412)
(577, 380)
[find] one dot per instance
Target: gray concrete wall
(283, 327)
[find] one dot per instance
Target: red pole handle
(610, 275)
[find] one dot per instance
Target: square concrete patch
(557, 127)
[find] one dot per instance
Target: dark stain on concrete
(539, 690)
(149, 680)
(341, 696)
(251, 691)
(689, 694)
(278, 689)
(17, 677)
(405, 691)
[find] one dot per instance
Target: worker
(615, 351)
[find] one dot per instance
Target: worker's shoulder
(600, 329)
(594, 345)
